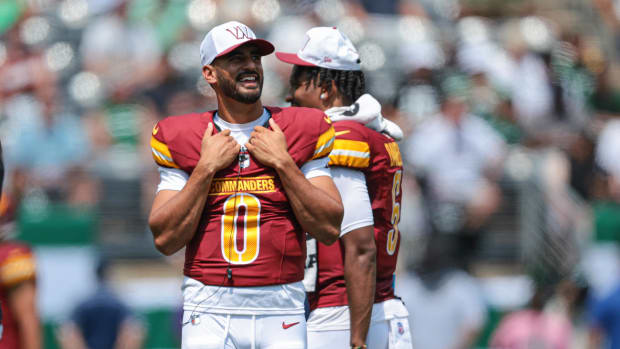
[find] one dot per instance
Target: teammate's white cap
(226, 37)
(325, 47)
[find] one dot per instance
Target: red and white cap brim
(264, 46)
(293, 58)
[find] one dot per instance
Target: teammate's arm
(358, 241)
(175, 215)
(22, 301)
(315, 201)
(360, 275)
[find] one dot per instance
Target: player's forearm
(175, 222)
(318, 212)
(360, 276)
(22, 301)
(30, 333)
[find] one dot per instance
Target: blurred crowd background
(511, 110)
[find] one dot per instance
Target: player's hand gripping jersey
(378, 157)
(248, 226)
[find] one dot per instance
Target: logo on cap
(241, 32)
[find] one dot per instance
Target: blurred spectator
(604, 313)
(18, 297)
(605, 100)
(386, 7)
(125, 54)
(568, 65)
(530, 87)
(52, 149)
(445, 305)
(582, 168)
(608, 149)
(503, 120)
(418, 97)
(533, 327)
(102, 321)
(119, 133)
(458, 157)
(607, 203)
(602, 268)
(23, 69)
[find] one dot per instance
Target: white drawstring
(226, 328)
(253, 331)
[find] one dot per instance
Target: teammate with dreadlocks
(367, 169)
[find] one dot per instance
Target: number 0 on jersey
(241, 228)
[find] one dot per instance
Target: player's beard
(230, 88)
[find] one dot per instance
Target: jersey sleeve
(17, 267)
(325, 141)
(354, 193)
(159, 148)
(351, 149)
(171, 179)
(316, 168)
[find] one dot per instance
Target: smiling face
(239, 74)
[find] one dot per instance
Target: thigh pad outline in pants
(206, 333)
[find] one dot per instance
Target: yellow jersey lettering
(394, 153)
(228, 186)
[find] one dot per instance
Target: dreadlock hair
(350, 83)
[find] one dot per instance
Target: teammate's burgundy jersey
(378, 157)
(17, 265)
(248, 224)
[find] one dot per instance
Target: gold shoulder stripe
(340, 133)
(324, 144)
(17, 268)
(348, 153)
(347, 144)
(161, 154)
(348, 161)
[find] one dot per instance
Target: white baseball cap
(325, 47)
(226, 37)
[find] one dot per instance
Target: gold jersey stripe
(346, 144)
(348, 153)
(161, 154)
(17, 269)
(325, 144)
(348, 161)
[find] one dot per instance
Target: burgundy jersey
(378, 157)
(17, 265)
(248, 224)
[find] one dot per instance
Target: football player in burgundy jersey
(20, 320)
(239, 188)
(367, 169)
